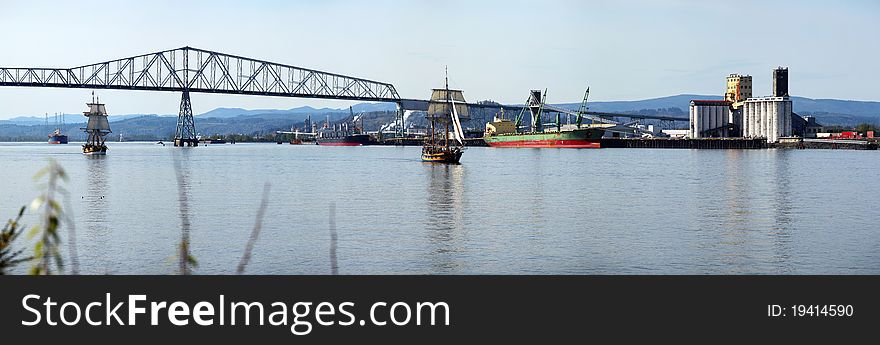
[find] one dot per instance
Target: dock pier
(670, 143)
(689, 143)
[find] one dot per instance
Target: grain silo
(709, 118)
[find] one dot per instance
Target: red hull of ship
(573, 144)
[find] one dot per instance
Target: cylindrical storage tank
(779, 125)
(788, 111)
(753, 119)
(745, 121)
(765, 119)
(691, 121)
(773, 112)
(759, 119)
(707, 110)
(710, 117)
(714, 111)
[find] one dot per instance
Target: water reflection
(754, 217)
(617, 211)
(445, 214)
(536, 192)
(182, 171)
(735, 212)
(96, 207)
(782, 210)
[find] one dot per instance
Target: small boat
(96, 129)
(445, 107)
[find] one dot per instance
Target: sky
(498, 50)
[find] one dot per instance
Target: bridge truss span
(190, 69)
(199, 70)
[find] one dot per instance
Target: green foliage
(188, 261)
(864, 127)
(8, 256)
(47, 256)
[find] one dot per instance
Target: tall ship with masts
(446, 108)
(96, 129)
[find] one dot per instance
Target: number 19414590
(808, 310)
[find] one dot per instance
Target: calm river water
(502, 211)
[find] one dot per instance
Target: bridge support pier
(399, 119)
(185, 135)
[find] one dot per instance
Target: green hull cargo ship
(503, 132)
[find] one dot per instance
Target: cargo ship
(573, 138)
(343, 134)
(502, 132)
(445, 107)
(334, 139)
(57, 137)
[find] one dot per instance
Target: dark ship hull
(348, 140)
(58, 139)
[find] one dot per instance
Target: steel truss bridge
(190, 69)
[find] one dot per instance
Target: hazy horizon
(498, 50)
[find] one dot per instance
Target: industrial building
(709, 119)
(767, 117)
(741, 115)
(739, 88)
(780, 82)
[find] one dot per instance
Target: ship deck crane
(539, 107)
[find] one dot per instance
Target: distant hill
(679, 101)
(357, 108)
(381, 115)
(826, 111)
(67, 118)
(801, 104)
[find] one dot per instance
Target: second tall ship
(96, 129)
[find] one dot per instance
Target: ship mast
(448, 101)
